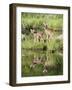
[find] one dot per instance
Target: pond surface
(41, 63)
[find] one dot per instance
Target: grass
(55, 63)
(31, 50)
(47, 51)
(53, 44)
(54, 21)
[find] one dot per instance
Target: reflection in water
(41, 63)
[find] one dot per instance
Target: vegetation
(29, 21)
(54, 21)
(54, 60)
(42, 57)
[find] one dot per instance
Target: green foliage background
(30, 20)
(29, 48)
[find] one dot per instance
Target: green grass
(55, 63)
(29, 20)
(53, 44)
(31, 49)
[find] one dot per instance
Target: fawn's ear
(32, 31)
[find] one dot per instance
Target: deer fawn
(48, 32)
(38, 36)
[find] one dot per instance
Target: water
(41, 63)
